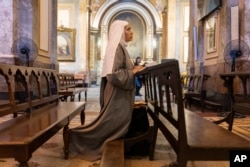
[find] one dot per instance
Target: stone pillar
(88, 41)
(246, 31)
(53, 35)
(6, 31)
(82, 33)
(19, 18)
(245, 22)
(164, 45)
(193, 23)
(27, 25)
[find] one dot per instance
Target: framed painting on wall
(211, 34)
(65, 44)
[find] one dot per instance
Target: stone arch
(152, 21)
(129, 6)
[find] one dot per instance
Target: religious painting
(65, 44)
(211, 34)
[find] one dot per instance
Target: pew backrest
(26, 88)
(191, 136)
(160, 81)
(66, 80)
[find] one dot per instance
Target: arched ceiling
(111, 8)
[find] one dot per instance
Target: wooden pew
(68, 87)
(81, 79)
(192, 137)
(193, 88)
(32, 95)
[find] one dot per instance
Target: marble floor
(51, 154)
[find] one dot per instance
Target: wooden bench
(68, 87)
(192, 137)
(193, 88)
(81, 79)
(240, 99)
(32, 95)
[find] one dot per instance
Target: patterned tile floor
(51, 155)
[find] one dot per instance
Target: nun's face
(128, 33)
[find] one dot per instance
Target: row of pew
(32, 112)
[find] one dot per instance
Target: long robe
(117, 95)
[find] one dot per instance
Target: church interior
(60, 44)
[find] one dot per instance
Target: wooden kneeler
(113, 154)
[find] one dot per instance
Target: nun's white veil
(116, 36)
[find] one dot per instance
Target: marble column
(192, 24)
(164, 45)
(83, 36)
(53, 33)
(88, 38)
(21, 19)
(6, 31)
(245, 23)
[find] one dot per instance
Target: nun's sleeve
(122, 74)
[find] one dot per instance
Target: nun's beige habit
(116, 99)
